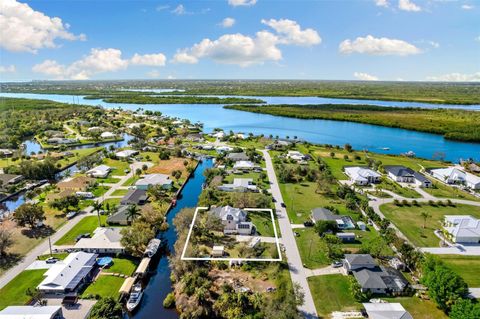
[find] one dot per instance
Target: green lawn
(123, 266)
(332, 293)
(418, 308)
(131, 181)
(120, 192)
(78, 153)
(397, 189)
(104, 286)
(262, 184)
(441, 190)
(98, 191)
(60, 256)
(312, 248)
(118, 167)
(108, 180)
(465, 266)
(112, 201)
(263, 222)
(86, 225)
(410, 222)
(14, 292)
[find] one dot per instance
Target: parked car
(296, 234)
(70, 215)
(51, 260)
(84, 235)
(308, 223)
(283, 205)
(271, 289)
(337, 264)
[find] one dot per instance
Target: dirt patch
(170, 165)
(237, 279)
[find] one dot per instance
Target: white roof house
(66, 276)
(234, 220)
(219, 134)
(107, 135)
(153, 180)
(295, 155)
(362, 175)
(453, 175)
(126, 153)
(104, 240)
(32, 312)
(100, 171)
(239, 185)
(243, 165)
(463, 228)
(386, 311)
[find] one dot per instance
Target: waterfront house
(385, 310)
(126, 153)
(320, 213)
(107, 135)
(234, 220)
(462, 228)
(149, 180)
(237, 157)
(295, 155)
(239, 185)
(68, 275)
(404, 174)
(105, 240)
(78, 184)
(119, 217)
(453, 175)
(100, 171)
(134, 197)
(32, 312)
(244, 165)
(362, 175)
(9, 179)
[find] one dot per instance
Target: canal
(160, 285)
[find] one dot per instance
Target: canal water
(360, 136)
(160, 285)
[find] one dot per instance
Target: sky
(370, 40)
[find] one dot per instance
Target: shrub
(169, 300)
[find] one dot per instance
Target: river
(360, 136)
(160, 285)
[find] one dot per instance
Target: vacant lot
(418, 308)
(332, 293)
(465, 266)
(170, 165)
(409, 220)
(14, 292)
(313, 250)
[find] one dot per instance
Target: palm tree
(132, 212)
(97, 207)
(425, 216)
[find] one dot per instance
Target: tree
(6, 240)
(97, 207)
(132, 213)
(29, 215)
(425, 215)
(106, 308)
(324, 226)
(465, 309)
(66, 204)
(348, 147)
(136, 237)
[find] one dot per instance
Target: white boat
(135, 297)
(385, 148)
(152, 247)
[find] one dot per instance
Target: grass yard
(108, 180)
(332, 293)
(443, 191)
(113, 202)
(98, 191)
(85, 225)
(262, 184)
(312, 248)
(132, 180)
(124, 266)
(410, 222)
(397, 189)
(465, 266)
(120, 192)
(104, 286)
(118, 167)
(418, 308)
(14, 292)
(60, 256)
(263, 223)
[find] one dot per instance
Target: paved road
(295, 264)
(40, 249)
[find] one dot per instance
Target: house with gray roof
(119, 217)
(134, 197)
(358, 261)
(404, 174)
(381, 280)
(385, 310)
(237, 157)
(321, 213)
(149, 180)
(239, 185)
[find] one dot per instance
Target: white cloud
(456, 77)
(365, 76)
(227, 22)
(407, 5)
(180, 10)
(381, 3)
(158, 59)
(162, 7)
(434, 44)
(378, 46)
(246, 50)
(467, 7)
(289, 32)
(477, 39)
(237, 3)
(170, 77)
(27, 30)
(98, 61)
(7, 69)
(153, 73)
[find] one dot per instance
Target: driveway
(297, 272)
(329, 270)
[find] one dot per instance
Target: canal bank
(160, 285)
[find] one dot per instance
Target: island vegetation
(143, 98)
(458, 125)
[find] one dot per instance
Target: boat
(152, 247)
(385, 148)
(135, 297)
(174, 202)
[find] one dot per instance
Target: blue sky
(224, 39)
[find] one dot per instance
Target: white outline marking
(233, 259)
